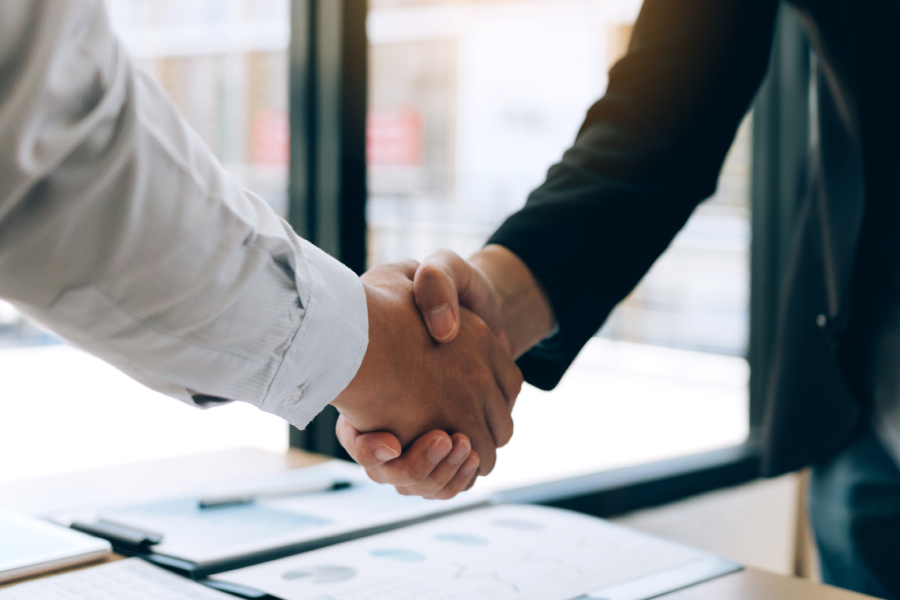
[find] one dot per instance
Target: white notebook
(131, 579)
(29, 546)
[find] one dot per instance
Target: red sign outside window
(270, 137)
(393, 137)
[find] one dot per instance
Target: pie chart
(519, 524)
(398, 554)
(320, 574)
(461, 538)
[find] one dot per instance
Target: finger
(461, 481)
(483, 443)
(368, 449)
(444, 472)
(507, 373)
(499, 418)
(443, 282)
(436, 286)
(471, 482)
(417, 463)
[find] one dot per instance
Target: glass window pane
(224, 64)
(470, 103)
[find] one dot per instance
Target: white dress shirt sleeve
(121, 232)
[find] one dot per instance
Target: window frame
(328, 80)
(327, 205)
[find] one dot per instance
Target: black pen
(250, 497)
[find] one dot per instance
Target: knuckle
(428, 275)
(345, 438)
(427, 489)
(417, 473)
(480, 328)
(375, 475)
(507, 435)
(515, 391)
(446, 254)
(487, 465)
(443, 494)
(364, 458)
(429, 269)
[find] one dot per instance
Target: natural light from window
(469, 104)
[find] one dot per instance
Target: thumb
(368, 449)
(436, 285)
(443, 282)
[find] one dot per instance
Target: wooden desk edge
(756, 584)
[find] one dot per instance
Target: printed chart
(515, 552)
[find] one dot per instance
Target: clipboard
(176, 533)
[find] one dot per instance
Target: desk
(125, 483)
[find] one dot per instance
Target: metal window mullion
(328, 56)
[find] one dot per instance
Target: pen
(250, 497)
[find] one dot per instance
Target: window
(469, 104)
(225, 66)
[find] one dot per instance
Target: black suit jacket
(651, 149)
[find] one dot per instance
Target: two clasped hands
(433, 398)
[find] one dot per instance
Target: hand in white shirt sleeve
(122, 233)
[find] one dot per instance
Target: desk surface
(170, 476)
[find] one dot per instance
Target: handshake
(433, 398)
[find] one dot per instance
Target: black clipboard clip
(124, 538)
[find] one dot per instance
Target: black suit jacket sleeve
(649, 151)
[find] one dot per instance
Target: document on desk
(225, 537)
(130, 579)
(494, 553)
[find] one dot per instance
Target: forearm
(121, 232)
(525, 311)
(649, 151)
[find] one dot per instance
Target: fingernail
(439, 449)
(470, 466)
(460, 453)
(384, 453)
(441, 322)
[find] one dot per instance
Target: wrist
(348, 402)
(526, 316)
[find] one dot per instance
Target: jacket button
(822, 321)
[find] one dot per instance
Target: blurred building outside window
(470, 103)
(224, 64)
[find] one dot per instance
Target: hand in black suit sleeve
(647, 154)
(649, 151)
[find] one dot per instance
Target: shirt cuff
(329, 345)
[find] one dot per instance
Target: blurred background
(466, 105)
(469, 103)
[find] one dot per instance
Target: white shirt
(121, 232)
